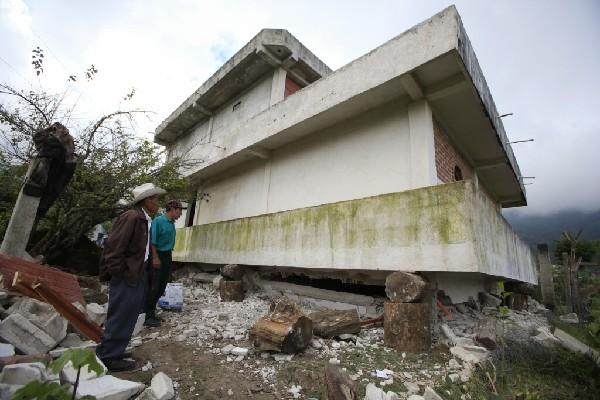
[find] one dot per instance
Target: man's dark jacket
(125, 248)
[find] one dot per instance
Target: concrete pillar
(278, 86)
(422, 148)
(546, 276)
(20, 225)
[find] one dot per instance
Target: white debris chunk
(470, 354)
(96, 312)
(139, 324)
(239, 351)
(7, 350)
(108, 387)
(430, 394)
(295, 391)
(69, 374)
(22, 374)
(162, 387)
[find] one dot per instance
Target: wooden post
(330, 323)
(404, 287)
(339, 385)
(567, 280)
(231, 290)
(407, 326)
(284, 329)
(546, 276)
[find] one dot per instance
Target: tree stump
(339, 385)
(330, 323)
(231, 290)
(407, 326)
(233, 272)
(485, 334)
(404, 287)
(284, 329)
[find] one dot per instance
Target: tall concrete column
(278, 86)
(20, 224)
(546, 276)
(422, 148)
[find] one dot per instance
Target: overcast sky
(541, 60)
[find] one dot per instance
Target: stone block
(69, 374)
(25, 336)
(109, 387)
(162, 387)
(7, 350)
(430, 394)
(470, 354)
(96, 312)
(22, 374)
(43, 316)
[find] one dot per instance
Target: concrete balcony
(445, 228)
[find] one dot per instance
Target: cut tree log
(330, 323)
(284, 329)
(485, 334)
(339, 385)
(232, 272)
(407, 326)
(404, 287)
(231, 290)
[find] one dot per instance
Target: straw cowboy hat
(144, 191)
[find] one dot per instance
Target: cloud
(15, 14)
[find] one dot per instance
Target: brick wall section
(446, 157)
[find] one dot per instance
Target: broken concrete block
(8, 391)
(573, 344)
(162, 387)
(488, 300)
(69, 374)
(405, 287)
(227, 349)
(415, 397)
(430, 394)
(22, 374)
(25, 336)
(7, 350)
(570, 318)
(71, 340)
(59, 351)
(139, 325)
(108, 387)
(544, 337)
(454, 339)
(43, 316)
(470, 354)
(96, 312)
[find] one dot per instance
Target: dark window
(458, 176)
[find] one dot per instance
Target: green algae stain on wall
(431, 215)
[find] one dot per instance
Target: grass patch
(532, 372)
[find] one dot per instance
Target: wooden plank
(62, 282)
(28, 284)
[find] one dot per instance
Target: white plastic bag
(173, 298)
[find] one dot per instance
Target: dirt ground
(198, 375)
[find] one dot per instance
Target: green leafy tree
(111, 160)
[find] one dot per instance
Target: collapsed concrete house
(397, 161)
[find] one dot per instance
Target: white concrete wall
(365, 156)
(198, 144)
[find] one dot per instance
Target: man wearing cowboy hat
(162, 239)
(125, 258)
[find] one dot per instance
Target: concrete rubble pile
(32, 328)
(222, 328)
